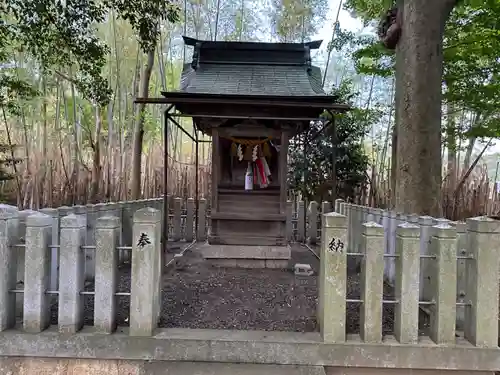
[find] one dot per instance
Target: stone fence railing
(187, 223)
(481, 279)
(341, 238)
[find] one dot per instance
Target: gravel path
(200, 296)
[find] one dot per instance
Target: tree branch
(65, 77)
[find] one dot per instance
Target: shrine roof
(250, 68)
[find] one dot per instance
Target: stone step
(247, 216)
(245, 252)
(244, 239)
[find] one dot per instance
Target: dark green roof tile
(240, 79)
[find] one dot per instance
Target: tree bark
(139, 128)
(419, 93)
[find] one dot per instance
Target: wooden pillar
(282, 167)
(283, 171)
(215, 178)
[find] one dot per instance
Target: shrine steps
(250, 216)
(244, 256)
(244, 239)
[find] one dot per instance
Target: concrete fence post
(81, 210)
(107, 235)
(350, 223)
(391, 242)
(368, 217)
(146, 254)
(372, 282)
(71, 273)
(407, 283)
(426, 223)
(443, 246)
(289, 218)
(301, 224)
(189, 235)
(481, 317)
(326, 207)
(201, 234)
(461, 271)
(36, 307)
(377, 215)
(65, 210)
(54, 248)
(343, 208)
(9, 227)
(177, 219)
(20, 256)
(389, 262)
(333, 278)
(413, 219)
(338, 202)
(312, 228)
(353, 228)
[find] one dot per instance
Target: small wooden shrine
(251, 98)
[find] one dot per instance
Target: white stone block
(303, 269)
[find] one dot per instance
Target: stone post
(81, 210)
(391, 243)
(377, 215)
(145, 295)
(343, 209)
(326, 207)
(338, 202)
(312, 229)
(333, 278)
(301, 222)
(71, 273)
(461, 271)
(107, 237)
(443, 246)
(9, 226)
(65, 211)
(54, 250)
(426, 223)
(353, 228)
(20, 256)
(189, 220)
(372, 282)
(407, 283)
(36, 316)
(350, 223)
(289, 223)
(481, 318)
(201, 235)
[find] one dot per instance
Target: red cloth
(262, 172)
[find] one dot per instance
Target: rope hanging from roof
(237, 147)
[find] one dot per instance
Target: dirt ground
(201, 296)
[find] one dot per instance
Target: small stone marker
(303, 269)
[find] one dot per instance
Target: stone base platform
(242, 256)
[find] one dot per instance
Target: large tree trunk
(419, 93)
(139, 128)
